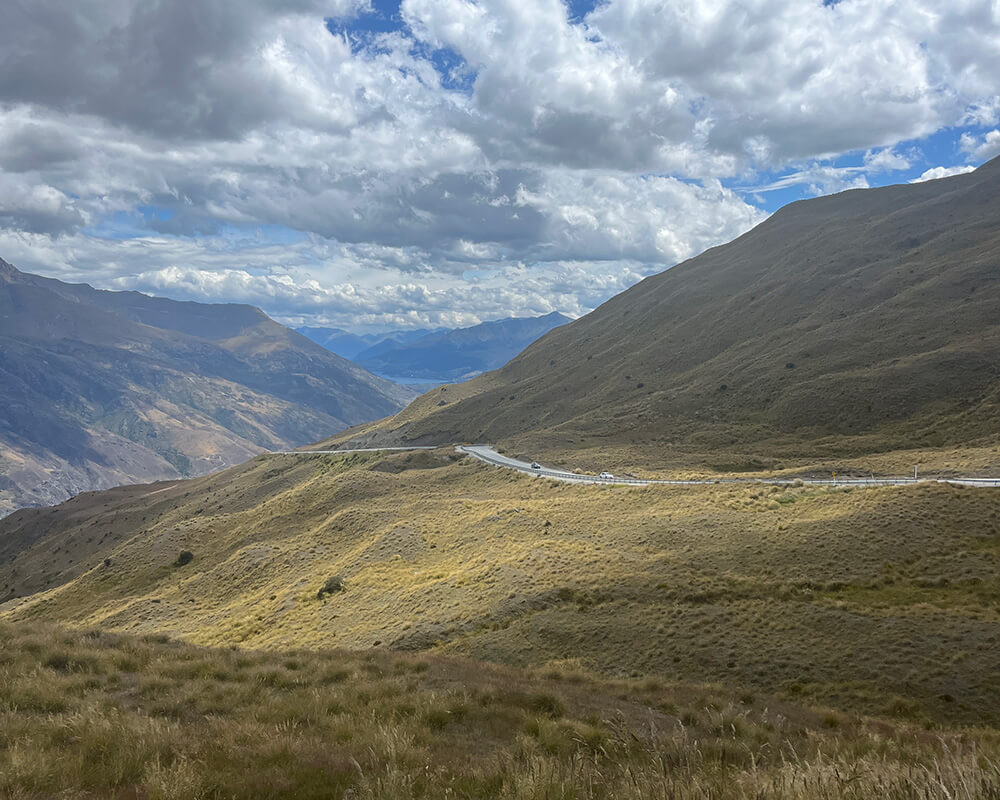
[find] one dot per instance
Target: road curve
(488, 455)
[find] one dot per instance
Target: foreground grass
(89, 714)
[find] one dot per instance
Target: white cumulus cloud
(482, 153)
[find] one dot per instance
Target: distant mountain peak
(455, 355)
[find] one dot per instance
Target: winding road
(488, 455)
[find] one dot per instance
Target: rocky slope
(102, 388)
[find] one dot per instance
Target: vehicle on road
(607, 476)
(535, 465)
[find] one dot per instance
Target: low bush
(333, 585)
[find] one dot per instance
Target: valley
(499, 400)
(438, 356)
(102, 388)
(716, 580)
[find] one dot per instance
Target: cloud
(27, 146)
(651, 219)
(981, 148)
(213, 69)
(153, 144)
(787, 81)
(885, 160)
(514, 292)
(934, 173)
(292, 281)
(819, 179)
(37, 208)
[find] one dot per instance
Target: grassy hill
(879, 601)
(91, 714)
(626, 641)
(101, 388)
(858, 323)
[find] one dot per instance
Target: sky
(377, 165)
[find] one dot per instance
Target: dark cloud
(40, 210)
(581, 146)
(28, 146)
(173, 69)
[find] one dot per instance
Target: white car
(607, 476)
(535, 465)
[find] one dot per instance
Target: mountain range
(859, 330)
(854, 323)
(349, 345)
(99, 388)
(442, 355)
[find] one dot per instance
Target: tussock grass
(189, 722)
(876, 601)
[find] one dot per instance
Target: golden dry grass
(881, 600)
(90, 714)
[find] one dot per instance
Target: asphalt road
(488, 455)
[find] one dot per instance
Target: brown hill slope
(882, 600)
(102, 388)
(860, 322)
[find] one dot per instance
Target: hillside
(457, 354)
(101, 388)
(850, 324)
(92, 714)
(879, 601)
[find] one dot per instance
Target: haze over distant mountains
(853, 323)
(348, 345)
(441, 355)
(101, 388)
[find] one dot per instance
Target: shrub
(546, 704)
(437, 719)
(332, 586)
(185, 557)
